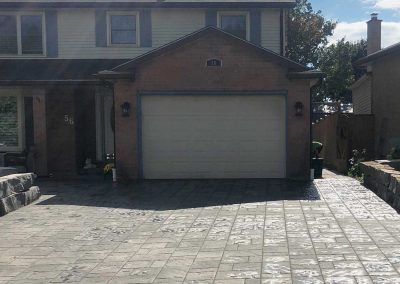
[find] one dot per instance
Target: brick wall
(68, 144)
(184, 69)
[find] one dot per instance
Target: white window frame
(19, 39)
(235, 13)
(21, 120)
(122, 13)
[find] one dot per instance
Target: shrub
(355, 161)
(394, 153)
(316, 148)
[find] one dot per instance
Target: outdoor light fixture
(299, 108)
(126, 109)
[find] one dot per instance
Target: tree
(308, 33)
(336, 61)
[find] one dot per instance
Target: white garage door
(231, 136)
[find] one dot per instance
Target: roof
(52, 70)
(379, 54)
(131, 64)
(360, 81)
(145, 3)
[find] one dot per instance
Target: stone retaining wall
(383, 180)
(16, 191)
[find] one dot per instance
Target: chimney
(374, 34)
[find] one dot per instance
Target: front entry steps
(16, 191)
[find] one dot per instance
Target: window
(122, 29)
(10, 123)
(8, 35)
(235, 23)
(22, 34)
(31, 34)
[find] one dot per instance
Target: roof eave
(378, 55)
(306, 75)
(155, 4)
(110, 75)
(131, 64)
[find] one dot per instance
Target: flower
(108, 168)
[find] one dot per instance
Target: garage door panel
(219, 170)
(211, 157)
(213, 136)
(192, 106)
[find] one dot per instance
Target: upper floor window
(123, 29)
(22, 34)
(236, 23)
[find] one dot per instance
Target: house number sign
(214, 62)
(68, 119)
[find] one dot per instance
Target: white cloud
(387, 4)
(383, 4)
(356, 31)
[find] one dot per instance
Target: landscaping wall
(384, 180)
(342, 133)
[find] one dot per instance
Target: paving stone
(244, 231)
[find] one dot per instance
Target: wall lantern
(299, 108)
(126, 109)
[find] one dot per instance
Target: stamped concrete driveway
(243, 231)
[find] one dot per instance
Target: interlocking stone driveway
(243, 231)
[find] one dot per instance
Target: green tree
(336, 61)
(308, 33)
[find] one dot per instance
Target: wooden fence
(341, 133)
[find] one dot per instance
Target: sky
(352, 16)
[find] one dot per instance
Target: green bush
(316, 148)
(394, 153)
(355, 161)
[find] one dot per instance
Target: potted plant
(109, 166)
(317, 163)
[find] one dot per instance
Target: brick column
(298, 154)
(126, 150)
(40, 135)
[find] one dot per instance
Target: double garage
(212, 136)
(189, 120)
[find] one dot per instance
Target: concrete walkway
(244, 231)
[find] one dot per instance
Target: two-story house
(377, 92)
(183, 89)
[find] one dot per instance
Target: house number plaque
(214, 62)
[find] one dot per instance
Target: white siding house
(76, 31)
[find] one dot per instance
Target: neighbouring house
(377, 92)
(175, 89)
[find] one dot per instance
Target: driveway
(225, 231)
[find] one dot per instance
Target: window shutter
(51, 34)
(145, 28)
(255, 27)
(101, 28)
(211, 18)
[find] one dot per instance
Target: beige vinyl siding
(77, 37)
(362, 98)
(270, 29)
(171, 24)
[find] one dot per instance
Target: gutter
(155, 4)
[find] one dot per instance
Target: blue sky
(352, 15)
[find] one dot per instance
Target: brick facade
(184, 69)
